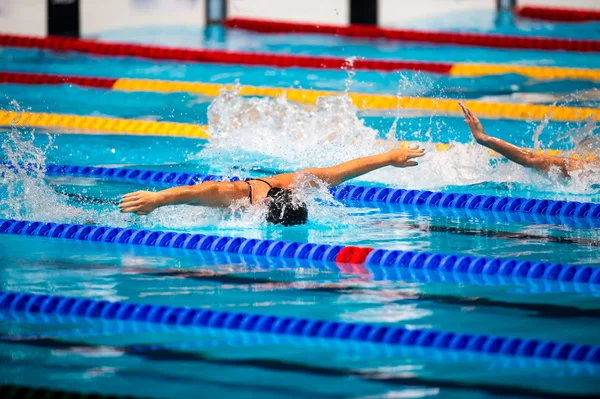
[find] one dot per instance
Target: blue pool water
(133, 358)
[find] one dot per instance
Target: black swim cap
(282, 209)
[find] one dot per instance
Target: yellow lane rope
(86, 124)
(536, 72)
(369, 101)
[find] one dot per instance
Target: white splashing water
(27, 194)
(277, 134)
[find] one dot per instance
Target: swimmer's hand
(140, 202)
(400, 157)
(474, 124)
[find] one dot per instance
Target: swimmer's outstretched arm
(335, 175)
(222, 194)
(519, 155)
(212, 194)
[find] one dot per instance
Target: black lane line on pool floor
(541, 310)
(10, 391)
(428, 228)
(504, 234)
(129, 373)
(148, 352)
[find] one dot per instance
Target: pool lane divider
(548, 211)
(294, 326)
(349, 259)
(292, 61)
(86, 124)
(455, 38)
(361, 100)
(237, 338)
(383, 272)
(558, 14)
(77, 124)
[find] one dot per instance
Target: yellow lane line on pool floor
(90, 124)
(87, 124)
(369, 101)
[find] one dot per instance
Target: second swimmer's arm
(519, 155)
(338, 174)
(213, 194)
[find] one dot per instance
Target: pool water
(153, 360)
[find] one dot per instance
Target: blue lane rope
(385, 273)
(377, 260)
(538, 210)
(553, 211)
(399, 336)
(366, 350)
(381, 261)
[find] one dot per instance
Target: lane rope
(86, 124)
(378, 272)
(233, 338)
(558, 14)
(306, 96)
(549, 211)
(457, 38)
(352, 259)
(101, 125)
(290, 61)
(536, 72)
(271, 324)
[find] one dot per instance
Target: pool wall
(30, 16)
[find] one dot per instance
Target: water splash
(275, 134)
(24, 191)
(27, 194)
(351, 73)
(537, 144)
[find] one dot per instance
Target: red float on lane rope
(353, 255)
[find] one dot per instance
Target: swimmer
(275, 192)
(522, 156)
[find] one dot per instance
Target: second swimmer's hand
(400, 157)
(140, 202)
(474, 124)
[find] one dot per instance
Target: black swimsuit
(250, 185)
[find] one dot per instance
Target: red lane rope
(466, 39)
(44, 79)
(214, 56)
(558, 14)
